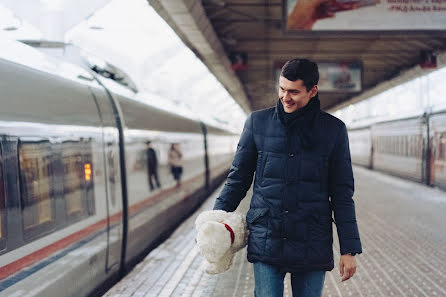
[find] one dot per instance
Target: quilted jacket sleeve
(242, 171)
(341, 188)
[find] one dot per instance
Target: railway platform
(401, 224)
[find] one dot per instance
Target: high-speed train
(413, 148)
(76, 206)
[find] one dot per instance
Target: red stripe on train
(38, 255)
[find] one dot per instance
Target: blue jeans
(269, 282)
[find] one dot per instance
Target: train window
(78, 182)
(112, 176)
(405, 145)
(400, 145)
(415, 146)
(2, 205)
(442, 147)
(419, 146)
(410, 146)
(390, 145)
(36, 189)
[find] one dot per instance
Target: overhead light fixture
(10, 28)
(229, 40)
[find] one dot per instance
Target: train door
(112, 179)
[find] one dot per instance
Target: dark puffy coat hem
(286, 267)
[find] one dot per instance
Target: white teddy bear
(220, 235)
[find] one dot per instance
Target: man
(301, 158)
(152, 166)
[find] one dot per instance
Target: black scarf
(304, 119)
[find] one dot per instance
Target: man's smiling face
(294, 94)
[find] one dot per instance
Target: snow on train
(412, 148)
(76, 205)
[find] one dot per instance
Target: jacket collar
(303, 123)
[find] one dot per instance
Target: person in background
(152, 166)
(303, 175)
(175, 162)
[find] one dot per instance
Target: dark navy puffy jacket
(296, 190)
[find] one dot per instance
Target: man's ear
(313, 91)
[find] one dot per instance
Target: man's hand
(347, 266)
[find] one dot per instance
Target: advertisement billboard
(364, 15)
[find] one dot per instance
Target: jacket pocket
(258, 228)
(320, 245)
(256, 214)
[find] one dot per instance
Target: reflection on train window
(2, 205)
(78, 180)
(36, 187)
(112, 175)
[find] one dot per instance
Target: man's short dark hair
(148, 142)
(303, 69)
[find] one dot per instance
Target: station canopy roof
(383, 39)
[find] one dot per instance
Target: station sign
(345, 77)
(364, 15)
